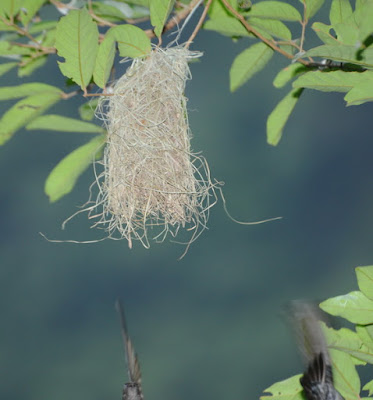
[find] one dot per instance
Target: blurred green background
(208, 326)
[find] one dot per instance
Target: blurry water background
(208, 326)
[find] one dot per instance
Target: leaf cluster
(87, 36)
(348, 348)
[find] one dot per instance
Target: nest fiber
(151, 180)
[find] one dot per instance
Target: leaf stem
(198, 26)
(250, 29)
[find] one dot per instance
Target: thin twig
(303, 23)
(178, 17)
(102, 21)
(268, 42)
(198, 26)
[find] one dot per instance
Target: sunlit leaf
(333, 81)
(312, 7)
(288, 389)
(104, 61)
(42, 26)
(226, 26)
(5, 67)
(9, 8)
(340, 10)
(29, 9)
(360, 94)
(346, 378)
(77, 42)
(364, 20)
(365, 279)
(288, 73)
(323, 32)
(24, 112)
(349, 342)
(248, 63)
(354, 306)
(369, 387)
(273, 27)
(280, 115)
(87, 110)
(27, 89)
(65, 174)
(7, 49)
(275, 10)
(159, 12)
(31, 66)
(59, 123)
(343, 53)
(132, 41)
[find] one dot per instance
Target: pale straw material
(152, 183)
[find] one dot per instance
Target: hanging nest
(152, 181)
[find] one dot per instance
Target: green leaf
(343, 53)
(346, 378)
(42, 26)
(365, 279)
(159, 12)
(312, 7)
(29, 9)
(27, 89)
(279, 116)
(65, 174)
(271, 27)
(275, 10)
(364, 18)
(333, 81)
(288, 73)
(7, 49)
(349, 342)
(360, 94)
(117, 11)
(9, 8)
(248, 63)
(87, 110)
(59, 123)
(288, 389)
(77, 42)
(369, 387)
(365, 332)
(132, 41)
(323, 32)
(340, 10)
(24, 112)
(104, 61)
(31, 65)
(5, 67)
(228, 26)
(354, 306)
